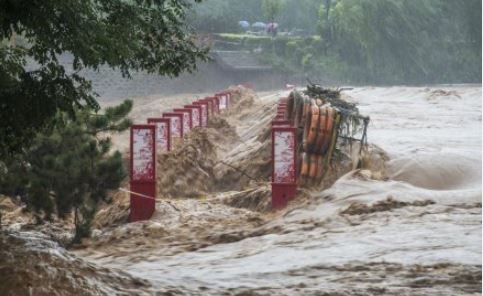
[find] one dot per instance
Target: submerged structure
(325, 124)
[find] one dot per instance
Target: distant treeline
(362, 41)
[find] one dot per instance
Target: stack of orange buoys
(317, 124)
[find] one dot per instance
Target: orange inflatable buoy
(304, 171)
(328, 130)
(313, 166)
(312, 127)
(321, 135)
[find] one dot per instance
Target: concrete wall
(210, 77)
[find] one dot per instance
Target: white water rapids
(433, 140)
(414, 230)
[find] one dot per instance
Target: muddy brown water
(417, 231)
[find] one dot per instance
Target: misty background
(332, 42)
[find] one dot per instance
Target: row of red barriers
(162, 135)
(284, 162)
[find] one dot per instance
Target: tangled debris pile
(325, 124)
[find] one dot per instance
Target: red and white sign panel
(163, 133)
(204, 112)
(283, 155)
(223, 101)
(143, 153)
(196, 114)
(186, 119)
(176, 124)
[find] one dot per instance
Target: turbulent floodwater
(411, 227)
(417, 232)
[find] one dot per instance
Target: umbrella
(244, 24)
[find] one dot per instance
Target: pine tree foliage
(71, 168)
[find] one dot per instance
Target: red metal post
(163, 133)
(284, 183)
(142, 172)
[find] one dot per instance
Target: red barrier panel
(282, 193)
(196, 109)
(204, 112)
(284, 183)
(163, 133)
(211, 106)
(222, 100)
(187, 119)
(142, 173)
(176, 123)
(216, 104)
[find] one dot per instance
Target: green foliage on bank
(401, 41)
(378, 42)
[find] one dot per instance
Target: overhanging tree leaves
(134, 35)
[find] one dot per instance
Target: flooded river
(413, 229)
(418, 232)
